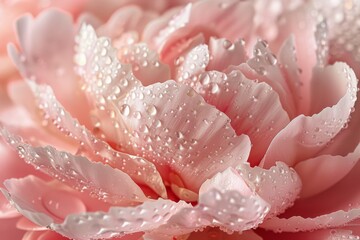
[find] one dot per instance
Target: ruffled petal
(145, 63)
(254, 108)
(39, 58)
(231, 206)
(218, 22)
(118, 221)
(97, 179)
(105, 80)
(307, 135)
(279, 186)
(139, 169)
(325, 171)
(335, 207)
(171, 125)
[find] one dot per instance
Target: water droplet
(151, 110)
(125, 110)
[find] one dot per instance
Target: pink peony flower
(211, 120)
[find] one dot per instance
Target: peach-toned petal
(226, 53)
(39, 58)
(307, 135)
(97, 179)
(254, 108)
(139, 169)
(325, 171)
(171, 125)
(145, 63)
(279, 186)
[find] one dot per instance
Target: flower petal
(145, 63)
(218, 21)
(118, 221)
(171, 125)
(139, 169)
(341, 208)
(39, 58)
(214, 233)
(232, 207)
(226, 53)
(125, 19)
(279, 186)
(55, 203)
(105, 79)
(326, 170)
(254, 108)
(98, 179)
(307, 135)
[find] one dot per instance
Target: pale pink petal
(301, 23)
(119, 221)
(232, 206)
(268, 70)
(218, 22)
(254, 108)
(11, 166)
(47, 203)
(337, 206)
(105, 80)
(307, 135)
(97, 179)
(215, 233)
(32, 235)
(129, 18)
(279, 186)
(171, 125)
(292, 74)
(343, 47)
(325, 171)
(139, 169)
(39, 58)
(193, 64)
(226, 53)
(145, 63)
